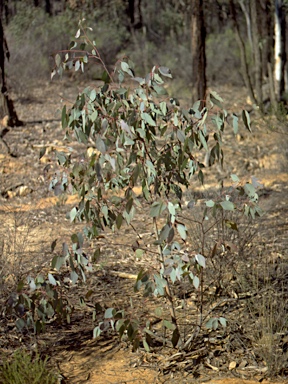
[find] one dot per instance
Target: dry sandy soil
(32, 218)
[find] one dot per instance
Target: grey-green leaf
(164, 232)
(100, 145)
(171, 209)
(58, 60)
(51, 279)
(157, 208)
(182, 230)
(223, 321)
(167, 324)
(216, 99)
(227, 205)
(165, 71)
(73, 214)
(74, 277)
(148, 119)
(196, 282)
(235, 124)
(96, 332)
(201, 260)
(109, 313)
(246, 120)
(234, 178)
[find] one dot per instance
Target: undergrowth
(23, 369)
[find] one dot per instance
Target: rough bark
(198, 36)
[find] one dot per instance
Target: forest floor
(254, 346)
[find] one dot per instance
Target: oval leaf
(171, 209)
(200, 260)
(182, 230)
(51, 279)
(235, 124)
(164, 232)
(109, 313)
(223, 321)
(196, 282)
(148, 119)
(227, 205)
(100, 145)
(235, 178)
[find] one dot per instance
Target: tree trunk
(257, 52)
(6, 104)
(248, 22)
(279, 49)
(267, 26)
(198, 36)
(244, 62)
(135, 15)
(48, 7)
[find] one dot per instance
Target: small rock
(24, 190)
(232, 365)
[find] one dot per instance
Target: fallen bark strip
(124, 275)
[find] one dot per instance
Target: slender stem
(168, 289)
(201, 274)
(98, 55)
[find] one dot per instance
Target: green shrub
(23, 369)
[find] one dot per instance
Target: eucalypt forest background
(146, 153)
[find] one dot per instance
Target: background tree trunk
(280, 49)
(6, 104)
(48, 7)
(255, 8)
(244, 61)
(248, 22)
(198, 36)
(267, 27)
(134, 13)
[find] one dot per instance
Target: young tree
(142, 140)
(6, 104)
